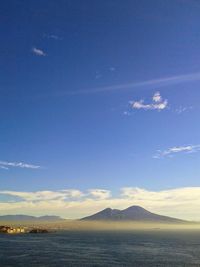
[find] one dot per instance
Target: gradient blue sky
(69, 71)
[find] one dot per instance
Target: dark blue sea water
(141, 248)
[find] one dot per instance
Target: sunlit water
(155, 248)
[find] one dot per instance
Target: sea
(110, 248)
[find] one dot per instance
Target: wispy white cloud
(157, 103)
(38, 52)
(4, 168)
(177, 149)
(52, 36)
(160, 82)
(182, 109)
(73, 203)
(6, 165)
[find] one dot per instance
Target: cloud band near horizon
(73, 203)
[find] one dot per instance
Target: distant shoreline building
(11, 230)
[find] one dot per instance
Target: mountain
(133, 213)
(27, 218)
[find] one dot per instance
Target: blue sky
(99, 95)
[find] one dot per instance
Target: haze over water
(132, 249)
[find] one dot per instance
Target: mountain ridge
(132, 213)
(22, 218)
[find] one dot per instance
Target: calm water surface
(155, 248)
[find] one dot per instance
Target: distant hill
(133, 213)
(27, 218)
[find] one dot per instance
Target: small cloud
(177, 149)
(6, 165)
(52, 36)
(157, 103)
(157, 97)
(126, 113)
(38, 52)
(181, 109)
